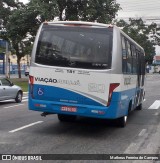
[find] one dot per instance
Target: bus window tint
(75, 47)
(134, 60)
(124, 55)
(129, 58)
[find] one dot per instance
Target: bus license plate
(68, 109)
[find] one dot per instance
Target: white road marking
(12, 106)
(155, 105)
(156, 113)
(25, 97)
(142, 132)
(25, 100)
(130, 148)
(26, 126)
(144, 100)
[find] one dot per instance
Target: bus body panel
(61, 84)
(117, 108)
(51, 92)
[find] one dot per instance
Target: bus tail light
(31, 80)
(112, 87)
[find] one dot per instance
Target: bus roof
(80, 23)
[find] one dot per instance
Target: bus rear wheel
(139, 107)
(66, 118)
(122, 121)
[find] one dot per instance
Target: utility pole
(7, 66)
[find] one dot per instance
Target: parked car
(26, 73)
(10, 91)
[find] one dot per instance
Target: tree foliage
(22, 25)
(6, 8)
(102, 11)
(44, 9)
(142, 34)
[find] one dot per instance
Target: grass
(23, 83)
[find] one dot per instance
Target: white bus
(85, 69)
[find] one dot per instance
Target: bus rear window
(79, 47)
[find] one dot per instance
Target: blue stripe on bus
(45, 103)
(51, 93)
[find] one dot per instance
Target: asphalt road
(26, 132)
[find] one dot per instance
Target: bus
(86, 69)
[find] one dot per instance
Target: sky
(24, 1)
(137, 8)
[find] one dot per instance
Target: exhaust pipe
(45, 113)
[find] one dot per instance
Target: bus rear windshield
(79, 47)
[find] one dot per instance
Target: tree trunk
(19, 67)
(60, 15)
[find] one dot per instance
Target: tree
(18, 24)
(141, 33)
(19, 31)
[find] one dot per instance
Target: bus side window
(129, 58)
(124, 56)
(138, 62)
(143, 64)
(134, 60)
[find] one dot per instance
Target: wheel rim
(125, 119)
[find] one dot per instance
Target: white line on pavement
(142, 132)
(155, 105)
(130, 148)
(13, 106)
(24, 97)
(156, 113)
(23, 127)
(25, 100)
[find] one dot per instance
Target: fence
(13, 68)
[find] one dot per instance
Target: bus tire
(66, 118)
(139, 107)
(130, 107)
(122, 121)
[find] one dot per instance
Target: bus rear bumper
(112, 112)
